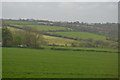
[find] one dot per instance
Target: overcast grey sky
(62, 11)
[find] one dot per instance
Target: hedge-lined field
(19, 22)
(58, 40)
(79, 35)
(35, 25)
(46, 63)
(43, 27)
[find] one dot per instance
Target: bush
(7, 37)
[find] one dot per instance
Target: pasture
(79, 35)
(18, 22)
(47, 63)
(58, 40)
(44, 27)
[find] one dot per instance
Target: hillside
(79, 35)
(69, 34)
(44, 27)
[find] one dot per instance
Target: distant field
(44, 27)
(58, 40)
(46, 63)
(18, 22)
(34, 24)
(79, 35)
(52, 39)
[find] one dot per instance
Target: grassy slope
(83, 35)
(35, 25)
(32, 63)
(51, 39)
(80, 35)
(18, 22)
(43, 27)
(58, 40)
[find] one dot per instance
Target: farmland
(55, 51)
(18, 22)
(46, 63)
(79, 35)
(43, 27)
(58, 40)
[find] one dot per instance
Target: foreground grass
(46, 63)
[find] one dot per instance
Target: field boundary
(57, 73)
(82, 50)
(66, 49)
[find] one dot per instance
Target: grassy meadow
(18, 22)
(58, 40)
(46, 63)
(79, 35)
(43, 27)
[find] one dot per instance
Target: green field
(35, 25)
(44, 27)
(79, 35)
(58, 40)
(18, 22)
(46, 63)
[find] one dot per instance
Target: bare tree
(33, 37)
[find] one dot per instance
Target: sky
(60, 0)
(89, 12)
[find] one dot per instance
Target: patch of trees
(96, 43)
(7, 37)
(29, 37)
(91, 43)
